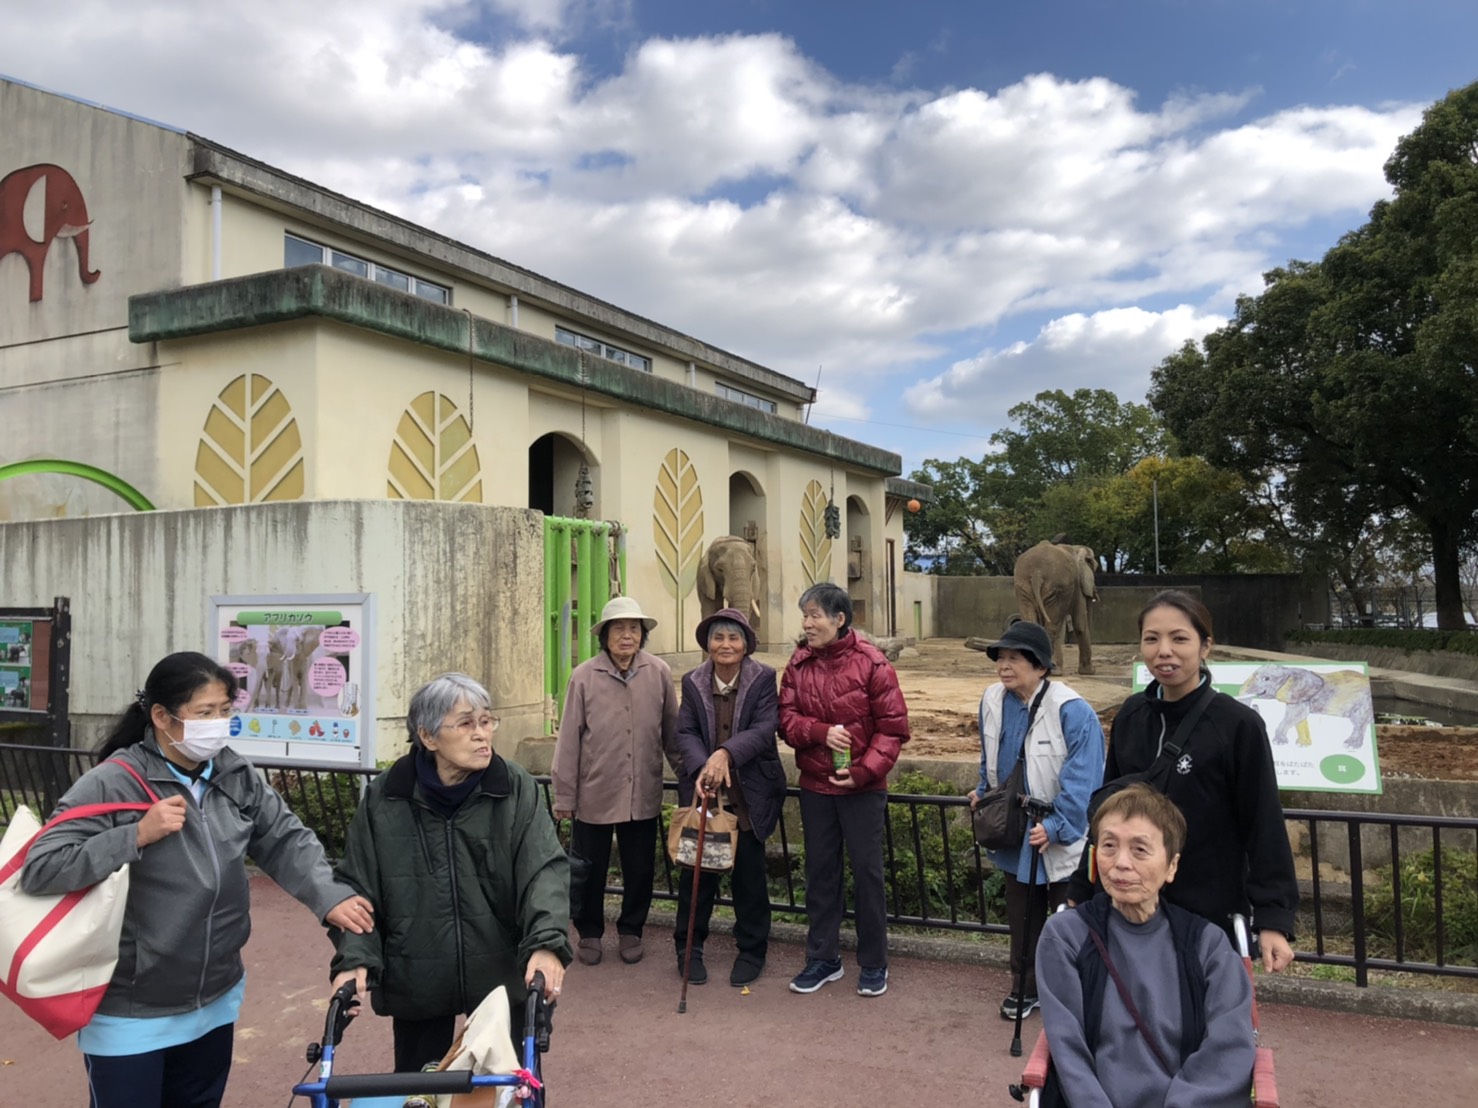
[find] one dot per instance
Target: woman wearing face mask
(163, 1032)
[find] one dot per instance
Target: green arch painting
(135, 499)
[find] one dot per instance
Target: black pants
(828, 823)
(418, 1042)
(637, 842)
(191, 1075)
(1039, 900)
(751, 901)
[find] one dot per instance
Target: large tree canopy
(1354, 377)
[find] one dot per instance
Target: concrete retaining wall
(1433, 663)
(452, 587)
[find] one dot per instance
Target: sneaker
(816, 974)
(872, 982)
(1008, 1007)
(697, 972)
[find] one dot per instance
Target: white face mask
(204, 738)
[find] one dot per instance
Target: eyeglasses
(470, 724)
(207, 713)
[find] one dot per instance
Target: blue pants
(191, 1075)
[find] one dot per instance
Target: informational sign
(19, 688)
(305, 667)
(1319, 716)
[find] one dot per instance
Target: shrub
(325, 802)
(1418, 907)
(1393, 638)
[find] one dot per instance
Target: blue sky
(942, 207)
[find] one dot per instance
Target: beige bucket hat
(623, 607)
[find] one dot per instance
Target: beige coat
(612, 738)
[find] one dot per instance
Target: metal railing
(1413, 909)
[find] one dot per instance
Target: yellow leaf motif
(815, 543)
(677, 525)
(433, 456)
(250, 450)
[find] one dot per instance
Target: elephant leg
(1360, 721)
(1085, 639)
(710, 594)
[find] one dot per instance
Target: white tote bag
(57, 953)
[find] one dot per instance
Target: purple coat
(751, 744)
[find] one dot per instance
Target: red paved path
(933, 1039)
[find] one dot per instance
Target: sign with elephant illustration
(305, 670)
(1319, 716)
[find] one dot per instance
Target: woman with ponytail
(163, 1033)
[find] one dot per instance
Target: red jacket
(847, 682)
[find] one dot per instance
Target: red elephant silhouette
(65, 218)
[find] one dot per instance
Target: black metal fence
(1382, 892)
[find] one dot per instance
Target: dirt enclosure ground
(942, 682)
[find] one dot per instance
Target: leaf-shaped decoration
(433, 456)
(815, 545)
(250, 450)
(677, 525)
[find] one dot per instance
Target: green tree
(1354, 377)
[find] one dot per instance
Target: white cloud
(1113, 349)
(734, 189)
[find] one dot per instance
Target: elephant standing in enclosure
(729, 577)
(1055, 582)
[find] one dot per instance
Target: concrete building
(216, 332)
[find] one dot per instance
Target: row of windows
(729, 392)
(298, 251)
(301, 251)
(604, 349)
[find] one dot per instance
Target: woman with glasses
(454, 847)
(164, 1031)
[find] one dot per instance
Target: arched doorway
(859, 562)
(554, 466)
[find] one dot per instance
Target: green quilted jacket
(460, 904)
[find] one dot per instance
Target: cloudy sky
(939, 206)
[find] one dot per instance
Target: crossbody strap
(1173, 747)
(1031, 718)
(1128, 1000)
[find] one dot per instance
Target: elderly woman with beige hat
(620, 719)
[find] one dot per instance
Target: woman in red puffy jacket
(842, 711)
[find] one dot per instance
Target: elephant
(1343, 693)
(729, 576)
(64, 217)
(1054, 582)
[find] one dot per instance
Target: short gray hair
(434, 700)
(726, 625)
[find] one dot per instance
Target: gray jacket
(188, 900)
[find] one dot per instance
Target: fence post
(551, 624)
(1357, 905)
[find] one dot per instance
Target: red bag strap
(81, 811)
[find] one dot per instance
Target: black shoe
(746, 971)
(697, 972)
(1029, 1004)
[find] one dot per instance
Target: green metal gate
(583, 558)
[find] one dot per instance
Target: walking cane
(702, 795)
(1036, 810)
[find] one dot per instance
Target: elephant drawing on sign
(1054, 583)
(64, 216)
(729, 577)
(1343, 693)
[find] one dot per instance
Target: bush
(1418, 908)
(1393, 638)
(325, 802)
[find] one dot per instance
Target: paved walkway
(933, 1039)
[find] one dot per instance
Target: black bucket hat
(1030, 639)
(733, 615)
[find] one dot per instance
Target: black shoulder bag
(999, 817)
(1158, 775)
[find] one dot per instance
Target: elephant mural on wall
(729, 577)
(64, 216)
(1055, 582)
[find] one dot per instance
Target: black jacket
(460, 903)
(1236, 855)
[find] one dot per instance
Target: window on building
(604, 349)
(739, 396)
(301, 251)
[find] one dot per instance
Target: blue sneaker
(815, 975)
(872, 982)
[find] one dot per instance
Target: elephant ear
(1086, 566)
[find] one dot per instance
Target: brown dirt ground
(942, 682)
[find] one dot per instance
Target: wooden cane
(682, 1004)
